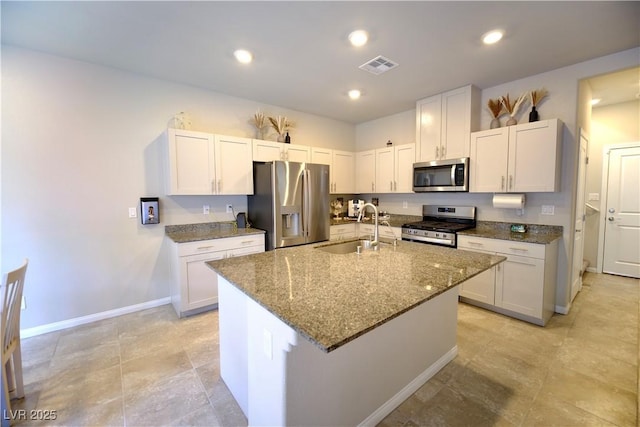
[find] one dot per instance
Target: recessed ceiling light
(358, 38)
(595, 101)
(492, 37)
(243, 56)
(354, 94)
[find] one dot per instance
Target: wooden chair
(11, 291)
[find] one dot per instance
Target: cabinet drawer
(245, 251)
(507, 247)
(223, 244)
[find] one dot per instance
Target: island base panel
(280, 378)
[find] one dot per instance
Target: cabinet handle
(522, 262)
(502, 183)
(510, 182)
(519, 249)
(390, 185)
(437, 152)
(476, 243)
(443, 150)
(219, 186)
(246, 242)
(372, 187)
(395, 186)
(200, 248)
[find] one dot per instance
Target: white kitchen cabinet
(341, 168)
(367, 231)
(444, 124)
(268, 151)
(200, 163)
(342, 231)
(394, 169)
(523, 285)
(520, 158)
(366, 171)
(194, 285)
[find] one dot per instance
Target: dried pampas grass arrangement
(512, 107)
(496, 108)
(535, 96)
(259, 120)
(280, 124)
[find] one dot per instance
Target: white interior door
(622, 215)
(578, 237)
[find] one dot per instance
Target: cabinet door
(321, 156)
(234, 165)
(534, 156)
(520, 288)
(366, 230)
(297, 153)
(428, 128)
(456, 123)
(366, 171)
(385, 170)
(341, 232)
(191, 162)
(481, 287)
(343, 170)
(201, 282)
(488, 161)
(405, 156)
(267, 151)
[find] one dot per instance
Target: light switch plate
(133, 213)
(548, 210)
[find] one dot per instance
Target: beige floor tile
(209, 375)
(160, 339)
(86, 337)
(203, 417)
(600, 399)
(105, 415)
(157, 367)
(560, 414)
(162, 403)
(87, 359)
(227, 408)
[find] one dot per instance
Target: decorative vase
(533, 115)
(495, 123)
(280, 138)
(512, 121)
(287, 139)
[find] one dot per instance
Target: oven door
(441, 175)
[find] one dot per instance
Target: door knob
(610, 218)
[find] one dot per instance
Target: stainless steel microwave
(441, 175)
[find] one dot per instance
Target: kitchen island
(309, 337)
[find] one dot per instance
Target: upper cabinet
(201, 163)
(520, 158)
(394, 169)
(268, 151)
(366, 171)
(341, 168)
(444, 124)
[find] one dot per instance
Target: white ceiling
(303, 60)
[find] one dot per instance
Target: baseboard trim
(563, 309)
(592, 269)
(379, 414)
(77, 321)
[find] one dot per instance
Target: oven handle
(422, 239)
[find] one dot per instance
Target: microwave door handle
(453, 175)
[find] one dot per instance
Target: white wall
(562, 102)
(610, 125)
(79, 146)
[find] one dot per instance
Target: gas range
(440, 224)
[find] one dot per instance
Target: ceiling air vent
(378, 65)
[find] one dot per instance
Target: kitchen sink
(350, 247)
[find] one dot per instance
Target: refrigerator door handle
(306, 190)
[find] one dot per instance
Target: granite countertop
(332, 299)
(206, 231)
(536, 233)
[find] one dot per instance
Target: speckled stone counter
(394, 220)
(541, 234)
(332, 299)
(206, 231)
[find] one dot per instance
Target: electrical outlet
(133, 213)
(206, 209)
(23, 303)
(548, 210)
(229, 208)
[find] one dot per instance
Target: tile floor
(151, 368)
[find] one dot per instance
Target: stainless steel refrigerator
(290, 202)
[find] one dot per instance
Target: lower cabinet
(194, 286)
(342, 232)
(385, 232)
(523, 286)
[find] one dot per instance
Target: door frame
(575, 285)
(606, 149)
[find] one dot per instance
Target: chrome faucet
(375, 213)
